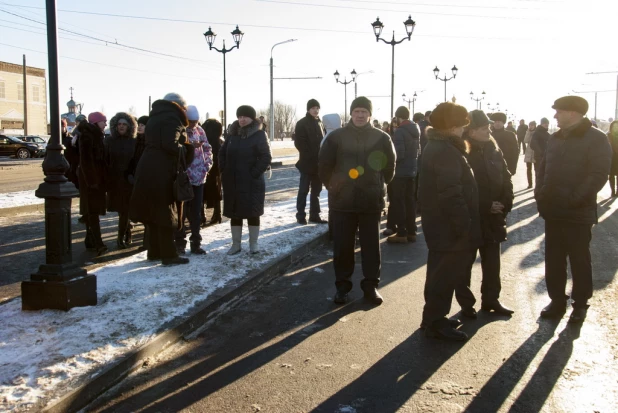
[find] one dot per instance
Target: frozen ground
(45, 354)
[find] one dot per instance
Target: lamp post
(436, 72)
(408, 101)
(477, 100)
(345, 84)
(210, 39)
(59, 284)
(271, 131)
(356, 83)
(377, 30)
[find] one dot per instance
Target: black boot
(469, 312)
(216, 214)
(497, 308)
(554, 310)
(447, 333)
(120, 243)
(128, 237)
(341, 297)
(88, 240)
(196, 249)
(373, 296)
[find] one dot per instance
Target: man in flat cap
(574, 168)
(355, 164)
(506, 140)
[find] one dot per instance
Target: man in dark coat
(538, 143)
(309, 133)
(574, 169)
(495, 202)
(450, 208)
(402, 202)
(422, 125)
(507, 141)
(355, 164)
(153, 200)
(521, 134)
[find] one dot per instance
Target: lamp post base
(59, 295)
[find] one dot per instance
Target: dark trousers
(390, 214)
(123, 225)
(253, 222)
(562, 240)
(161, 242)
(490, 285)
(529, 172)
(308, 181)
(445, 271)
(93, 231)
(344, 240)
(522, 147)
(612, 184)
(403, 206)
(192, 211)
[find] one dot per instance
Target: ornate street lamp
(210, 36)
(271, 121)
(477, 100)
(436, 72)
(377, 30)
(408, 101)
(345, 84)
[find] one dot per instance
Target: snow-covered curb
(47, 353)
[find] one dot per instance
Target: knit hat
(80, 118)
(449, 115)
(478, 119)
(95, 117)
(143, 120)
(418, 116)
(246, 110)
(402, 112)
(571, 103)
(544, 121)
(311, 103)
(428, 113)
(361, 102)
(192, 113)
(498, 117)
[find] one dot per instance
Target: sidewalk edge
(85, 394)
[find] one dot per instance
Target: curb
(175, 331)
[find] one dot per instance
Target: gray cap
(478, 119)
(544, 121)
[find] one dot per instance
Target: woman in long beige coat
(529, 154)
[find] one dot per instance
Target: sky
(523, 53)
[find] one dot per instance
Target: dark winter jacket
(521, 132)
(140, 147)
(448, 195)
(243, 159)
(119, 151)
(153, 201)
(538, 143)
(355, 164)
(91, 170)
(72, 157)
(423, 127)
(408, 148)
(613, 140)
(575, 168)
(494, 185)
(212, 186)
(309, 133)
(511, 129)
(507, 142)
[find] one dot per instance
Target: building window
(2, 93)
(35, 93)
(20, 91)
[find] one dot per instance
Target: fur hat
(449, 115)
(95, 117)
(143, 120)
(498, 117)
(361, 102)
(193, 113)
(478, 119)
(312, 103)
(246, 110)
(571, 103)
(213, 128)
(402, 112)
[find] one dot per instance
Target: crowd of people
(451, 166)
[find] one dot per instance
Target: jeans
(308, 181)
(191, 210)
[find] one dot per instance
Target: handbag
(183, 191)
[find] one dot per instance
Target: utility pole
(603, 73)
(595, 97)
(149, 104)
(25, 101)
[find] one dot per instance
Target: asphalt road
(22, 240)
(288, 348)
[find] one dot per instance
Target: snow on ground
(17, 199)
(43, 354)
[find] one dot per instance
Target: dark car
(10, 146)
(37, 140)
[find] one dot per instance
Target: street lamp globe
(237, 35)
(454, 70)
(210, 37)
(410, 25)
(377, 28)
(353, 73)
(414, 95)
(436, 71)
(336, 74)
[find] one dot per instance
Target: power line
(439, 5)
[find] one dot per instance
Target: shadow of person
(542, 382)
(498, 388)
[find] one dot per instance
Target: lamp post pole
(477, 100)
(436, 72)
(59, 284)
(377, 30)
(408, 101)
(271, 120)
(210, 39)
(345, 84)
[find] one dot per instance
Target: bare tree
(285, 119)
(132, 110)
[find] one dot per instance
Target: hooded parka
(119, 151)
(91, 171)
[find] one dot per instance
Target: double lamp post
(477, 100)
(445, 79)
(345, 84)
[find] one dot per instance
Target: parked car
(10, 146)
(37, 140)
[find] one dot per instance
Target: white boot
(254, 232)
(236, 236)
